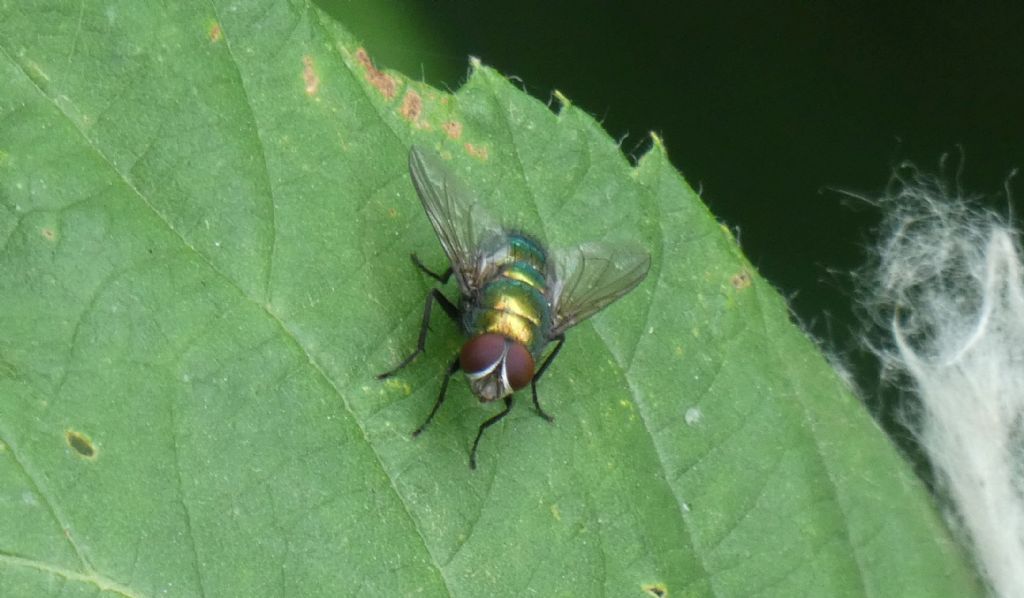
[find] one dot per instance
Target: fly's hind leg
(441, 278)
(449, 308)
(540, 372)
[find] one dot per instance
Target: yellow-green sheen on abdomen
(512, 303)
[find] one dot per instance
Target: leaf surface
(205, 219)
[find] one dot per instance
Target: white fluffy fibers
(948, 288)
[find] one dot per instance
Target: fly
(516, 296)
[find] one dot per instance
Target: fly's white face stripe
(505, 386)
(486, 372)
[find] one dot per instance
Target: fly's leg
(491, 421)
(544, 366)
(454, 367)
(449, 308)
(441, 278)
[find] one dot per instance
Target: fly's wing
(460, 223)
(590, 277)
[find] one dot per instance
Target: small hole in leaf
(656, 589)
(81, 443)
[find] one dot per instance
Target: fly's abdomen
(513, 302)
(513, 309)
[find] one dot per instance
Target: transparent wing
(590, 277)
(460, 223)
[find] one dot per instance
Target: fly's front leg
(454, 367)
(449, 308)
(544, 366)
(488, 423)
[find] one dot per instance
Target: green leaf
(206, 218)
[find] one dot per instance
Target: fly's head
(496, 366)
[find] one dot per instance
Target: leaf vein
(104, 584)
(271, 208)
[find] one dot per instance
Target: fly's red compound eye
(481, 352)
(518, 366)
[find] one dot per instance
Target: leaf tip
(563, 101)
(656, 149)
(657, 142)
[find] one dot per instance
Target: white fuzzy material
(948, 289)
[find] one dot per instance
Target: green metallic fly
(516, 296)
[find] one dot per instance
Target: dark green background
(765, 108)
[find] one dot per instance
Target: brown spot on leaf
(309, 75)
(48, 233)
(81, 443)
(479, 152)
(658, 590)
(392, 212)
(384, 83)
(412, 107)
(215, 32)
(741, 280)
(453, 128)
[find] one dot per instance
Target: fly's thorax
(511, 249)
(524, 249)
(496, 366)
